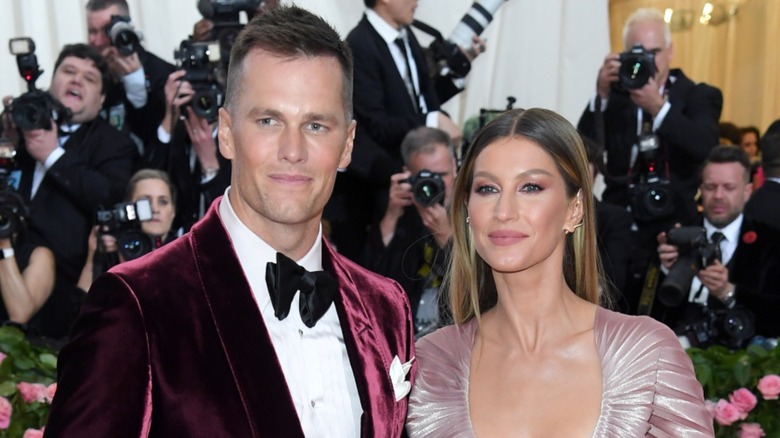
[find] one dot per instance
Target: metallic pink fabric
(173, 344)
(649, 387)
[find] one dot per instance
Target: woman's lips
(506, 238)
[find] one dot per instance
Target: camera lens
(634, 74)
(133, 244)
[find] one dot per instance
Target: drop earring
(468, 219)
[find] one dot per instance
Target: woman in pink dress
(532, 354)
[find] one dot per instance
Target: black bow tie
(285, 277)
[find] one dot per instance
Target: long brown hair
(470, 280)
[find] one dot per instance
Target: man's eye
(317, 127)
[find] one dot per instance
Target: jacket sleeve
(104, 376)
(692, 126)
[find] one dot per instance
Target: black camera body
(13, 211)
(427, 187)
(637, 66)
(650, 198)
(201, 61)
(696, 252)
(731, 328)
(34, 109)
(122, 34)
(124, 222)
(225, 17)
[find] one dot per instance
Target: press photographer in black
(657, 126)
(132, 228)
(135, 98)
(26, 270)
(722, 275)
(69, 166)
(411, 241)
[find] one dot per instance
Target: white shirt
(389, 34)
(314, 360)
(727, 247)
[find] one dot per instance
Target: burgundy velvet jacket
(173, 344)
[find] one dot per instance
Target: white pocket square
(398, 372)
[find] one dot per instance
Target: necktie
(716, 238)
(408, 81)
(285, 277)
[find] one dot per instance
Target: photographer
(410, 243)
(67, 171)
(745, 274)
(109, 245)
(642, 99)
(186, 147)
(135, 99)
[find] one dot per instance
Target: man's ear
(346, 155)
(225, 135)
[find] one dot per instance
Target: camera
(731, 328)
(122, 34)
(650, 198)
(201, 61)
(637, 66)
(225, 15)
(124, 222)
(448, 57)
(13, 211)
(427, 187)
(34, 109)
(696, 253)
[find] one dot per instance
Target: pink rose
(744, 400)
(50, 390)
(726, 413)
(5, 413)
(32, 392)
(2, 357)
(750, 430)
(33, 433)
(769, 386)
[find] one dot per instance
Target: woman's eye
(530, 187)
(485, 189)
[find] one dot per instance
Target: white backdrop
(543, 52)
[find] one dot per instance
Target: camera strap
(649, 288)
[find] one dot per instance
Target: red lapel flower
(749, 237)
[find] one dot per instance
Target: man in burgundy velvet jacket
(187, 341)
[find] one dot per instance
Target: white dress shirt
(314, 360)
(727, 247)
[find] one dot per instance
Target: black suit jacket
(382, 103)
(613, 229)
(764, 204)
(688, 133)
(142, 122)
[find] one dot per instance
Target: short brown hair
(292, 32)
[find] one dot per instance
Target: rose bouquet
(741, 388)
(27, 385)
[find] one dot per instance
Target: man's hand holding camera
(121, 65)
(178, 92)
(608, 73)
(648, 98)
(40, 143)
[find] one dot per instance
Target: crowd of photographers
(119, 156)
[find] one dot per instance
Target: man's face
(96, 22)
(439, 161)
(724, 192)
(77, 83)
(398, 12)
(286, 134)
(651, 35)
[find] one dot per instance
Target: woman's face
(750, 144)
(159, 195)
(518, 207)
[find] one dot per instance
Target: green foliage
(24, 362)
(721, 372)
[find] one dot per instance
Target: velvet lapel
(369, 356)
(245, 340)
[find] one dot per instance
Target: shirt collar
(252, 249)
(730, 231)
(383, 28)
